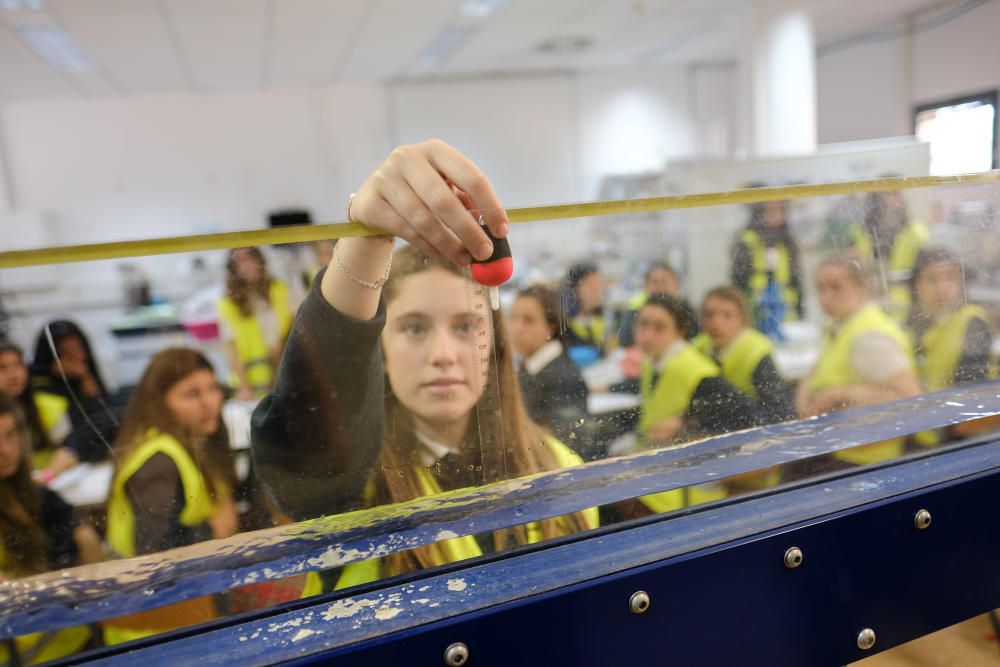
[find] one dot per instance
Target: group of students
(397, 380)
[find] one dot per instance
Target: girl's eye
(413, 329)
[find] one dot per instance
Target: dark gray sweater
(316, 437)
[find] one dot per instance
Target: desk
(86, 485)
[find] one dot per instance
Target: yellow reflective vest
(941, 347)
(834, 369)
(453, 550)
(198, 507)
(902, 257)
(782, 272)
(251, 348)
(670, 397)
(592, 332)
(741, 358)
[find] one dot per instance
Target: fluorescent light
(445, 44)
(22, 5)
(59, 47)
(482, 8)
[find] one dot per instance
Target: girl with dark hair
(66, 381)
(174, 474)
(39, 532)
(555, 394)
(766, 250)
(48, 457)
(583, 296)
(952, 337)
(743, 354)
(254, 318)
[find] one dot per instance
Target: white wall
(869, 90)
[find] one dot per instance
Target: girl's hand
(663, 431)
(425, 193)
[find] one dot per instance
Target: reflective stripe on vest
(198, 505)
(834, 369)
(941, 347)
(251, 349)
(741, 359)
(679, 378)
(782, 271)
(456, 549)
(53, 411)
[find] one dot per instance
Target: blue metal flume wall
(121, 587)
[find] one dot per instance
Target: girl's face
(438, 343)
(722, 320)
(248, 268)
(10, 446)
(655, 331)
(195, 403)
(661, 281)
(590, 292)
(13, 374)
(528, 328)
(838, 294)
(774, 214)
(939, 288)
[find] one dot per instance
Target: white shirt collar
(542, 357)
(430, 452)
(669, 354)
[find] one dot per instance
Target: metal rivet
(922, 519)
(457, 654)
(793, 558)
(639, 602)
(866, 639)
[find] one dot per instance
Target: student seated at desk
(744, 354)
(173, 477)
(67, 381)
(555, 394)
(952, 338)
(660, 278)
(254, 318)
(49, 457)
(865, 359)
(682, 390)
(583, 299)
(452, 416)
(39, 532)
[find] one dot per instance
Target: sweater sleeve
(774, 396)
(315, 438)
(719, 407)
(974, 364)
(152, 490)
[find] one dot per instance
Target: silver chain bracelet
(370, 285)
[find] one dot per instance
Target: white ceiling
(142, 46)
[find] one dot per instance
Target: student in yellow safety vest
(39, 532)
(886, 243)
(952, 338)
(583, 296)
(45, 415)
(67, 381)
(743, 353)
(173, 478)
(766, 250)
(254, 318)
(865, 358)
(660, 278)
(425, 357)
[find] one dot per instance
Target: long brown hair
(147, 409)
(516, 444)
(39, 438)
(242, 292)
(25, 543)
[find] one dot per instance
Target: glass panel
(616, 336)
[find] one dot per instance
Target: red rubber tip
(495, 273)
